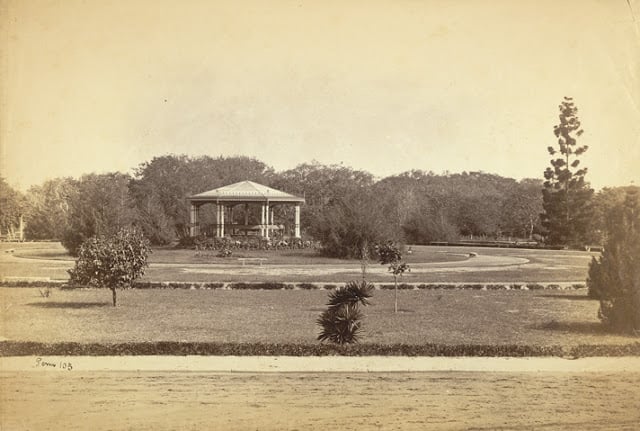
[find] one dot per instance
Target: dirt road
(155, 400)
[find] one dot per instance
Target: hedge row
(478, 286)
(305, 286)
(13, 348)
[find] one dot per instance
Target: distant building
(243, 194)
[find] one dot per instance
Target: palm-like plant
(352, 293)
(341, 322)
(341, 325)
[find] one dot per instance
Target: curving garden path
(453, 264)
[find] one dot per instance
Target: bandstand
(244, 194)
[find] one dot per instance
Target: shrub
(401, 286)
(72, 239)
(389, 254)
(341, 322)
(349, 226)
(187, 242)
(614, 278)
(225, 252)
(264, 286)
(112, 262)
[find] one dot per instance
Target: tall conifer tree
(566, 194)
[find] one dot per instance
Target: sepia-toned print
(305, 215)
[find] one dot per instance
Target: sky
(384, 86)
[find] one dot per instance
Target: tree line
(345, 207)
(347, 210)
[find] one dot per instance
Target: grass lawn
(429, 264)
(536, 318)
(169, 255)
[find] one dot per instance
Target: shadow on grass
(588, 328)
(568, 296)
(72, 305)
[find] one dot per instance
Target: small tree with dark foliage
(112, 262)
(341, 322)
(390, 254)
(614, 278)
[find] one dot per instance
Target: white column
(193, 220)
(222, 210)
(217, 220)
(266, 228)
(271, 217)
(246, 218)
(297, 222)
(262, 221)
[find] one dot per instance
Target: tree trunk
(635, 298)
(113, 291)
(566, 197)
(395, 282)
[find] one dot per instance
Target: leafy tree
(322, 184)
(158, 191)
(48, 210)
(434, 219)
(425, 207)
(101, 206)
(521, 209)
(614, 278)
(422, 227)
(389, 254)
(603, 202)
(111, 262)
(341, 322)
(323, 187)
(566, 194)
(12, 206)
(400, 198)
(476, 201)
(350, 225)
(161, 185)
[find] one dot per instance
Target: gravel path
(315, 364)
(169, 400)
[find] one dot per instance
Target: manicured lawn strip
(541, 318)
(172, 348)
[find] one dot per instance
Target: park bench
(594, 248)
(252, 259)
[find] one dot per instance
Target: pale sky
(385, 86)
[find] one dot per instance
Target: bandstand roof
(245, 191)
